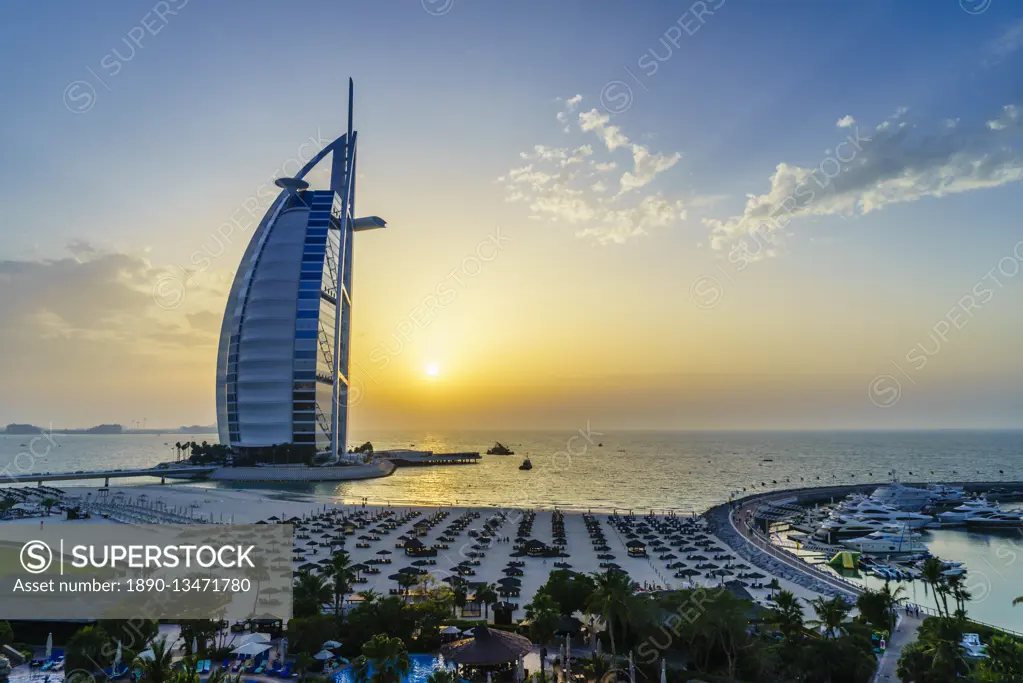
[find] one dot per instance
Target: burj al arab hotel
(283, 360)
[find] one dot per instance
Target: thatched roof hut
(487, 648)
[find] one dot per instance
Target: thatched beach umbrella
(487, 648)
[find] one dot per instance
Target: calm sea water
(688, 471)
(631, 470)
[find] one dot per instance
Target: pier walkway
(183, 472)
(904, 635)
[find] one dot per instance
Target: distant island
(23, 429)
(108, 429)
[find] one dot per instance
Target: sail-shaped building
(283, 359)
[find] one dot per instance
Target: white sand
(249, 506)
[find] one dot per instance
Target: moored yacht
(958, 515)
(997, 519)
(887, 542)
(872, 510)
(903, 497)
(839, 526)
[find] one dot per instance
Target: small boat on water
(500, 449)
(526, 465)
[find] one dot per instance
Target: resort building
(283, 359)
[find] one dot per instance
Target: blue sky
(123, 159)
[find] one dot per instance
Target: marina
(986, 556)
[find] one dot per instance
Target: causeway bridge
(162, 473)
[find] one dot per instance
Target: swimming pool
(422, 667)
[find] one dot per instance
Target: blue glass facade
(315, 321)
(283, 358)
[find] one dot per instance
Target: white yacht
(872, 510)
(997, 519)
(903, 497)
(958, 515)
(887, 542)
(948, 494)
(838, 526)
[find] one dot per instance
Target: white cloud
(564, 116)
(646, 166)
(545, 153)
(612, 136)
(846, 121)
(617, 226)
(555, 188)
(1010, 118)
(528, 175)
(102, 296)
(578, 155)
(894, 163)
(1008, 42)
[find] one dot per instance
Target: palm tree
(312, 588)
(933, 574)
(222, 675)
(302, 664)
(48, 503)
(406, 581)
(386, 656)
(543, 614)
(940, 641)
(831, 615)
(1016, 601)
(443, 676)
(614, 599)
(369, 596)
(339, 569)
(959, 592)
(258, 572)
(486, 595)
(156, 669)
(189, 672)
(788, 614)
(891, 599)
(597, 667)
(88, 650)
(461, 597)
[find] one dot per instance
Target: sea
(589, 468)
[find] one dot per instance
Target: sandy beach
(250, 506)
